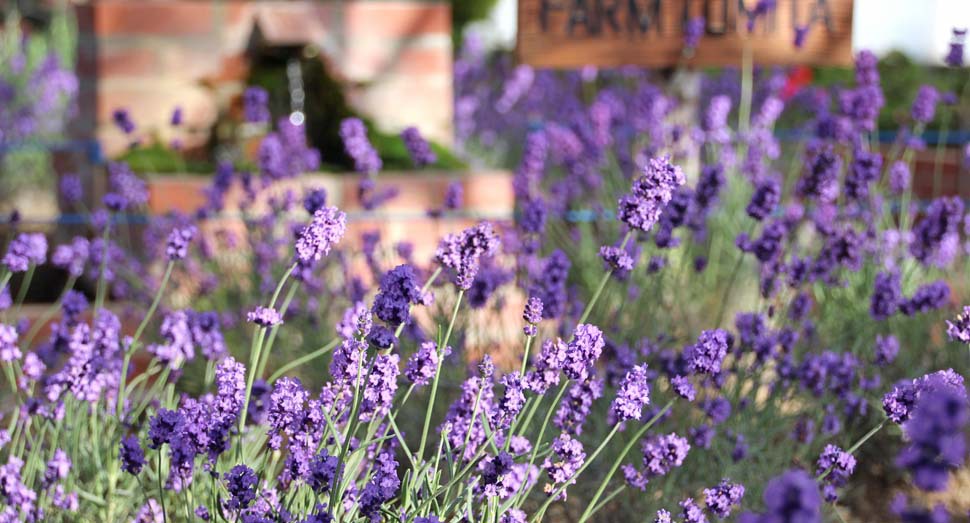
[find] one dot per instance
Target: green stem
(161, 492)
(437, 376)
(602, 284)
(619, 459)
(134, 340)
(264, 354)
(22, 292)
(102, 282)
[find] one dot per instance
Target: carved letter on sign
(611, 33)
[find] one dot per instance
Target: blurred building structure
(150, 56)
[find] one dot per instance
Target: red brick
(176, 193)
(418, 60)
(396, 20)
(127, 61)
(115, 17)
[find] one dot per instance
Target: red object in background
(798, 77)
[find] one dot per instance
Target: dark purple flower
(886, 296)
(792, 497)
(454, 194)
(353, 132)
(617, 259)
(959, 328)
(693, 30)
(927, 297)
(178, 242)
(122, 119)
(632, 395)
(241, 483)
(767, 195)
(583, 351)
(937, 440)
(723, 498)
(549, 285)
(382, 337)
(256, 105)
(323, 472)
(839, 465)
(887, 347)
(314, 200)
(683, 387)
(801, 34)
(899, 177)
(9, 350)
(379, 387)
(24, 250)
(131, 455)
(954, 55)
(512, 401)
(72, 188)
(924, 106)
(398, 291)
(569, 457)
(462, 252)
(642, 206)
(575, 407)
(692, 512)
(941, 221)
(264, 317)
(865, 169)
(661, 454)
(325, 229)
(422, 365)
(899, 402)
(533, 315)
(162, 426)
(706, 355)
(418, 148)
(821, 177)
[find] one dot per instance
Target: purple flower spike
(462, 252)
(641, 208)
(723, 498)
(423, 364)
(178, 242)
(532, 316)
(839, 464)
(9, 350)
(570, 456)
(256, 105)
(581, 353)
(241, 483)
(132, 456)
(264, 317)
(325, 229)
(418, 148)
(353, 132)
(959, 328)
(706, 355)
(632, 396)
(24, 250)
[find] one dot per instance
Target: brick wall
(152, 55)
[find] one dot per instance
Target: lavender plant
(702, 316)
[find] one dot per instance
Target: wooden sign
(611, 33)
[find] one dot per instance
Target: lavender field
(723, 295)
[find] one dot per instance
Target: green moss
(156, 158)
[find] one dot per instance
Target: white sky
(920, 28)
